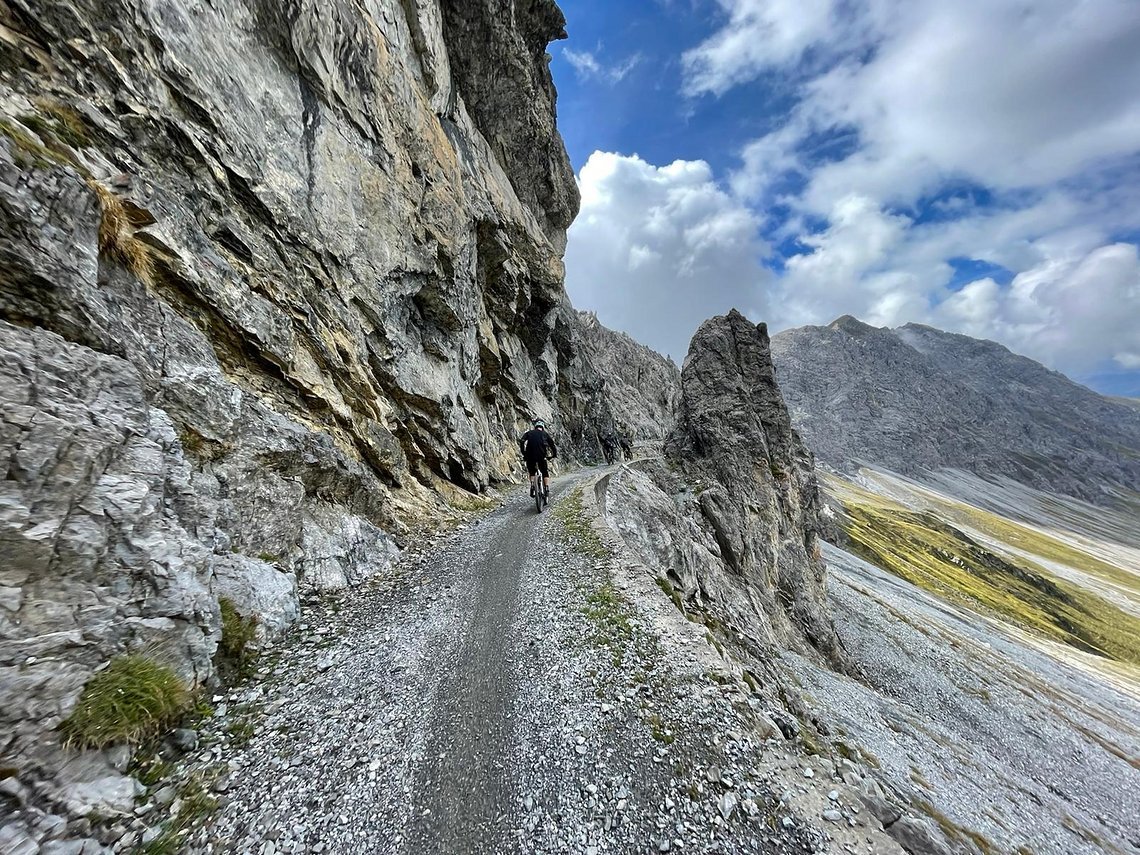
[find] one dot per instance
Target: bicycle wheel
(538, 493)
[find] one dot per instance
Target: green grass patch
(240, 732)
(195, 803)
(812, 746)
(572, 514)
(1029, 539)
(1023, 537)
(131, 701)
(924, 550)
(610, 615)
(152, 770)
(752, 680)
(57, 127)
(29, 152)
(56, 121)
(659, 731)
(167, 843)
(236, 654)
(242, 724)
(671, 592)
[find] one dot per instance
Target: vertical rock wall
(733, 518)
(642, 386)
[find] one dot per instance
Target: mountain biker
(609, 447)
(534, 445)
(626, 447)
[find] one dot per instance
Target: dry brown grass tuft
(116, 236)
(66, 123)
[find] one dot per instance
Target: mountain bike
(541, 493)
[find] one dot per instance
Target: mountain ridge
(916, 399)
(641, 385)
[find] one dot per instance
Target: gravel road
(497, 694)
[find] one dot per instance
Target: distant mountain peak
(917, 399)
(851, 325)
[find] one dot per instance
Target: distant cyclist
(609, 447)
(626, 447)
(536, 446)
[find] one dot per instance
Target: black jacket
(535, 445)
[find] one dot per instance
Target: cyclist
(626, 447)
(534, 445)
(609, 447)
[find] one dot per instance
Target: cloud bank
(973, 165)
(657, 249)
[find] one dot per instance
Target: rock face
(916, 399)
(641, 385)
(734, 520)
(273, 276)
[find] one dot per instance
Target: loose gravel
(496, 694)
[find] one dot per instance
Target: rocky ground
(521, 684)
(511, 688)
(1016, 743)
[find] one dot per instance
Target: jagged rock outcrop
(273, 276)
(916, 399)
(641, 385)
(733, 517)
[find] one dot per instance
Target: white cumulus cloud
(657, 249)
(1074, 303)
(587, 65)
(1074, 310)
(757, 35)
(1033, 108)
(999, 92)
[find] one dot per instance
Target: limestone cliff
(641, 385)
(274, 274)
(733, 518)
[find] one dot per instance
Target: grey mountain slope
(917, 399)
(1133, 403)
(641, 385)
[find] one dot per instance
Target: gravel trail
(497, 694)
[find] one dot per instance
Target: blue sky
(974, 165)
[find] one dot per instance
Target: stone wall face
(642, 386)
